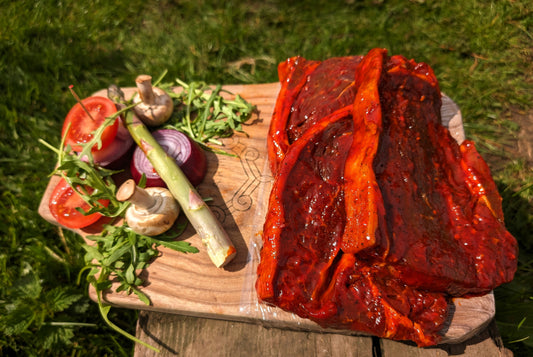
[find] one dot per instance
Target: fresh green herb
(204, 114)
(118, 253)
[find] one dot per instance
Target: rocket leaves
(118, 253)
(205, 114)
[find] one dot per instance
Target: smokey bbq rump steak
(377, 216)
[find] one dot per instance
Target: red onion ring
(187, 154)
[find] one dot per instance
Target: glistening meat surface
(377, 217)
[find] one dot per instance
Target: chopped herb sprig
(202, 113)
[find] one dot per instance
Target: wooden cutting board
(190, 284)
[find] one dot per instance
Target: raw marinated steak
(377, 217)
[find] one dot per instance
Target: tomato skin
(82, 126)
(63, 203)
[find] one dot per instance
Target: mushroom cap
(156, 113)
(157, 219)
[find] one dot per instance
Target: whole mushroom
(154, 106)
(153, 210)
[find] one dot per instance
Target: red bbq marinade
(445, 235)
(376, 214)
(294, 113)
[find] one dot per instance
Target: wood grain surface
(178, 335)
(189, 284)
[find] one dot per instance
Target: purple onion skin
(187, 154)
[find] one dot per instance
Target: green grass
(480, 50)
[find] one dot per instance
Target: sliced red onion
(187, 154)
(117, 154)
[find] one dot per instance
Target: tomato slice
(82, 125)
(63, 203)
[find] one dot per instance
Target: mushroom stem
(129, 191)
(146, 92)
